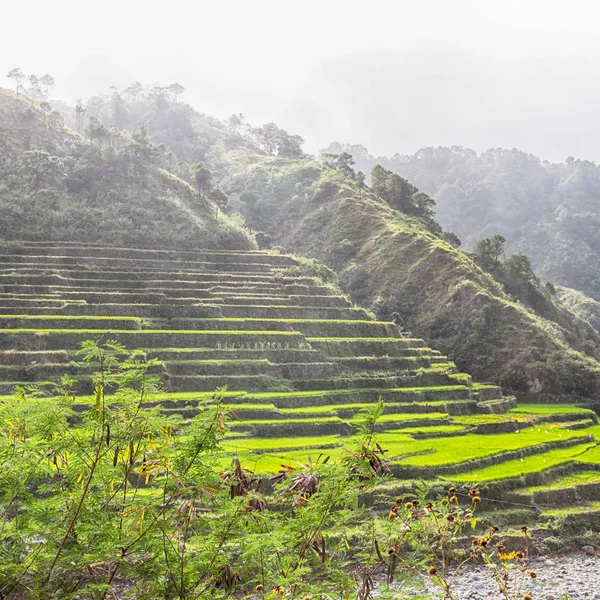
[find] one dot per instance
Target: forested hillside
(385, 248)
(549, 211)
(106, 185)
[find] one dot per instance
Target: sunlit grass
(522, 466)
(567, 481)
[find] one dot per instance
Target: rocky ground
(573, 576)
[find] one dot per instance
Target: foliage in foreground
(113, 496)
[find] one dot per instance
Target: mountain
(392, 263)
(112, 187)
(389, 262)
(549, 211)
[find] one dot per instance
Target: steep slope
(587, 309)
(54, 184)
(549, 211)
(393, 264)
(387, 261)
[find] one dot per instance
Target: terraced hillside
(299, 362)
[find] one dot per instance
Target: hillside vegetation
(549, 211)
(57, 185)
(390, 262)
(586, 308)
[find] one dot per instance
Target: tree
(95, 130)
(423, 205)
(451, 238)
(267, 137)
(288, 145)
(176, 90)
(263, 240)
(18, 76)
(79, 114)
(47, 81)
(220, 199)
(34, 88)
(234, 123)
(134, 91)
(517, 273)
(395, 190)
(342, 162)
(42, 166)
(360, 182)
(203, 179)
(488, 252)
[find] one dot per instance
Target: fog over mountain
(392, 75)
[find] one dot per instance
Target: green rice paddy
(425, 430)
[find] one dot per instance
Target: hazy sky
(391, 75)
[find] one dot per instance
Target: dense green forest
(548, 211)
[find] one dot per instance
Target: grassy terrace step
(289, 300)
(56, 281)
(99, 297)
(140, 254)
(125, 263)
(51, 371)
(551, 409)
(306, 370)
(333, 397)
(566, 481)
(15, 357)
(348, 347)
(222, 367)
(50, 339)
(141, 274)
(274, 356)
(390, 408)
(290, 450)
(454, 452)
(57, 306)
(529, 465)
(208, 383)
(204, 293)
(305, 326)
(425, 377)
(385, 363)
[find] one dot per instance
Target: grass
(364, 339)
(488, 418)
(455, 450)
(74, 317)
(149, 331)
(287, 320)
(407, 417)
(432, 429)
(528, 464)
(546, 409)
(592, 456)
(276, 422)
(571, 510)
(402, 449)
(566, 482)
(270, 444)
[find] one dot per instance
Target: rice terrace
(298, 363)
(236, 363)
